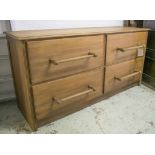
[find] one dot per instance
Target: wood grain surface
(40, 52)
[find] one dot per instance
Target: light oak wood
(57, 72)
(46, 95)
(129, 43)
(88, 55)
(74, 108)
(128, 76)
(87, 91)
(123, 74)
(21, 80)
(56, 58)
(56, 33)
(131, 48)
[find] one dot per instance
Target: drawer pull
(130, 48)
(127, 76)
(90, 89)
(72, 59)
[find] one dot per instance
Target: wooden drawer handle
(130, 48)
(127, 76)
(72, 59)
(90, 89)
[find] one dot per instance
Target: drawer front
(55, 58)
(126, 46)
(53, 97)
(123, 74)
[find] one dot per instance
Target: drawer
(125, 46)
(55, 58)
(123, 74)
(59, 95)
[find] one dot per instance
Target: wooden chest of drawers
(57, 72)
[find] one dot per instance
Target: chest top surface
(51, 33)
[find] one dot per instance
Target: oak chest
(57, 72)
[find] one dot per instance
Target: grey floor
(132, 111)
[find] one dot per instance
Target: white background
(58, 24)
